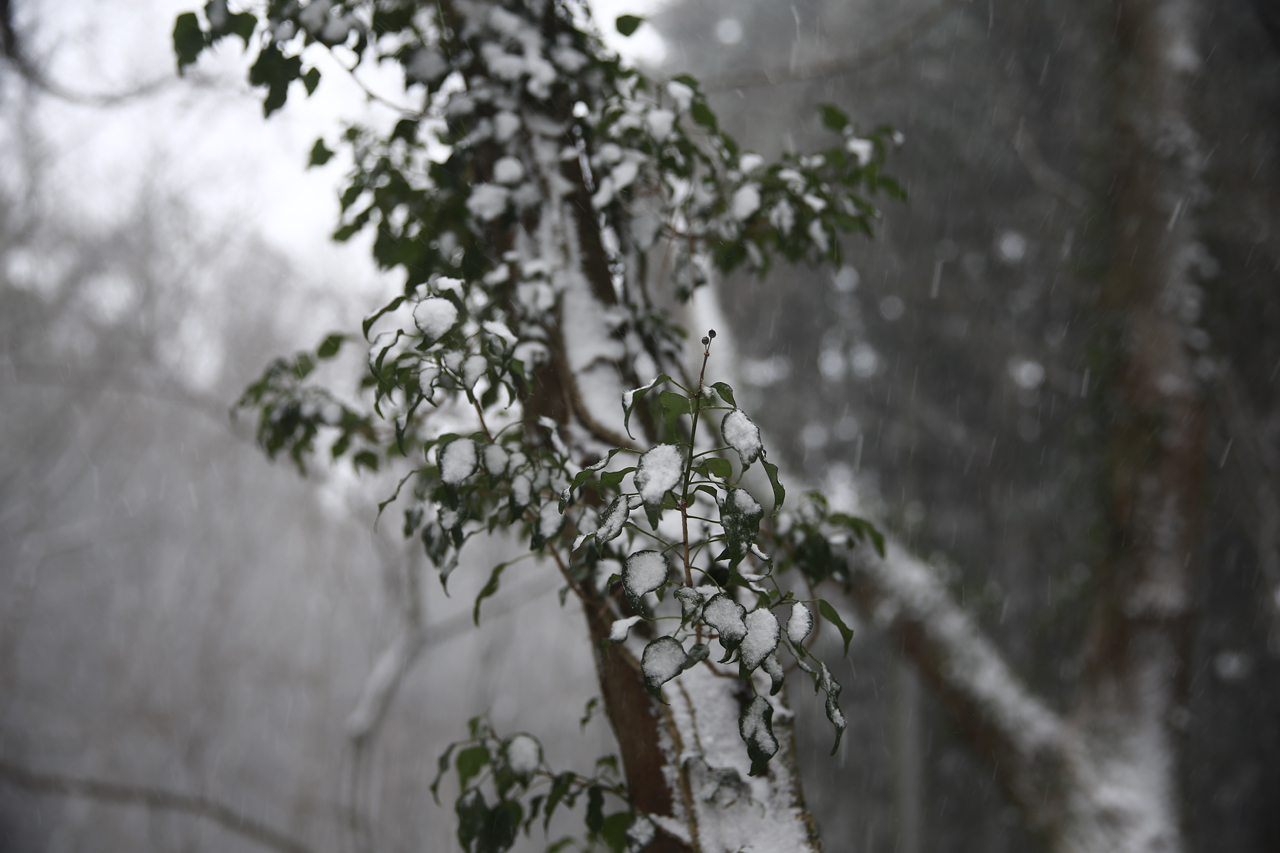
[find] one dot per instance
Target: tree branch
(1025, 738)
(152, 798)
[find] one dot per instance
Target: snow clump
(434, 317)
(742, 435)
(724, 615)
(761, 639)
(457, 461)
(800, 623)
(488, 202)
(746, 201)
(618, 631)
(523, 756)
(660, 471)
(508, 170)
(644, 572)
(662, 661)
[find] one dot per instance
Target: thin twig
(152, 798)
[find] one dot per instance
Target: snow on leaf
(740, 516)
(742, 435)
(724, 615)
(495, 460)
(630, 398)
(832, 688)
(524, 754)
(663, 660)
(499, 330)
(508, 170)
(644, 572)
(659, 472)
(618, 631)
(660, 123)
(756, 727)
(549, 521)
(473, 369)
(457, 461)
(800, 623)
(613, 520)
(640, 834)
(434, 317)
(762, 639)
(690, 604)
(488, 202)
(777, 675)
(521, 491)
(746, 201)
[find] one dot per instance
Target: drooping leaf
(755, 725)
(663, 659)
(832, 688)
(740, 516)
(631, 398)
(725, 392)
(643, 573)
(742, 435)
(188, 40)
(779, 493)
(829, 613)
(760, 642)
(690, 605)
(726, 618)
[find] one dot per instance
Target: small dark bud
(706, 341)
(711, 334)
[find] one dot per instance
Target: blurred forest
(186, 630)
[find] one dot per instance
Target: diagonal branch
(1003, 718)
(152, 798)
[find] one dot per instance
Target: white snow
(724, 615)
(524, 754)
(550, 520)
(499, 330)
(748, 163)
(434, 317)
(644, 572)
(800, 623)
(426, 66)
(618, 631)
(742, 435)
(613, 520)
(660, 471)
(521, 490)
(782, 217)
(488, 202)
(746, 201)
(473, 369)
(457, 461)
(660, 123)
(505, 125)
(495, 459)
(508, 170)
(641, 833)
(860, 148)
(761, 639)
(681, 94)
(662, 661)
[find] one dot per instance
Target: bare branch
(896, 41)
(152, 798)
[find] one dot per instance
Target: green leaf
(559, 789)
(614, 831)
(703, 115)
(473, 815)
(595, 808)
(824, 682)
(489, 589)
(779, 493)
(833, 118)
(630, 398)
(310, 80)
(721, 468)
(242, 24)
(188, 39)
(829, 613)
(675, 404)
(628, 24)
(725, 392)
(373, 318)
(861, 529)
(275, 71)
(365, 459)
(470, 762)
(330, 346)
